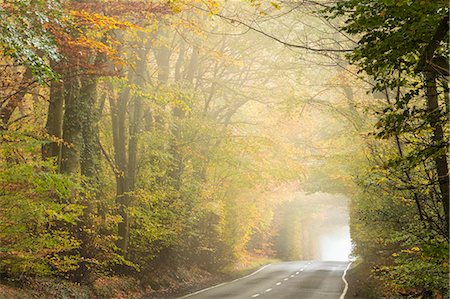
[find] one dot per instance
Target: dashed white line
(278, 283)
(256, 295)
(268, 290)
(292, 275)
(296, 273)
(344, 292)
(301, 270)
(225, 283)
(285, 279)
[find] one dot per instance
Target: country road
(299, 279)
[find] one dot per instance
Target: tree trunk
(439, 141)
(54, 123)
(72, 131)
(162, 57)
(90, 151)
(193, 65)
(136, 117)
(8, 109)
(118, 117)
(89, 168)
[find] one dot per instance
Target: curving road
(299, 280)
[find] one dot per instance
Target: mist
(336, 244)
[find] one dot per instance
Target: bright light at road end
(336, 244)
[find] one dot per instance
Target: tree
(403, 47)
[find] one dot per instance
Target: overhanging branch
(278, 40)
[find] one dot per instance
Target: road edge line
(344, 292)
(224, 283)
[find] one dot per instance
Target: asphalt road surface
(300, 280)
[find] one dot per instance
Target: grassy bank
(362, 284)
(167, 283)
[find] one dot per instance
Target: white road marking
(268, 290)
(301, 270)
(296, 273)
(224, 283)
(256, 295)
(285, 279)
(344, 292)
(278, 283)
(292, 275)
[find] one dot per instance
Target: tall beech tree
(127, 117)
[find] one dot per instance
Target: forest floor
(167, 283)
(361, 284)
